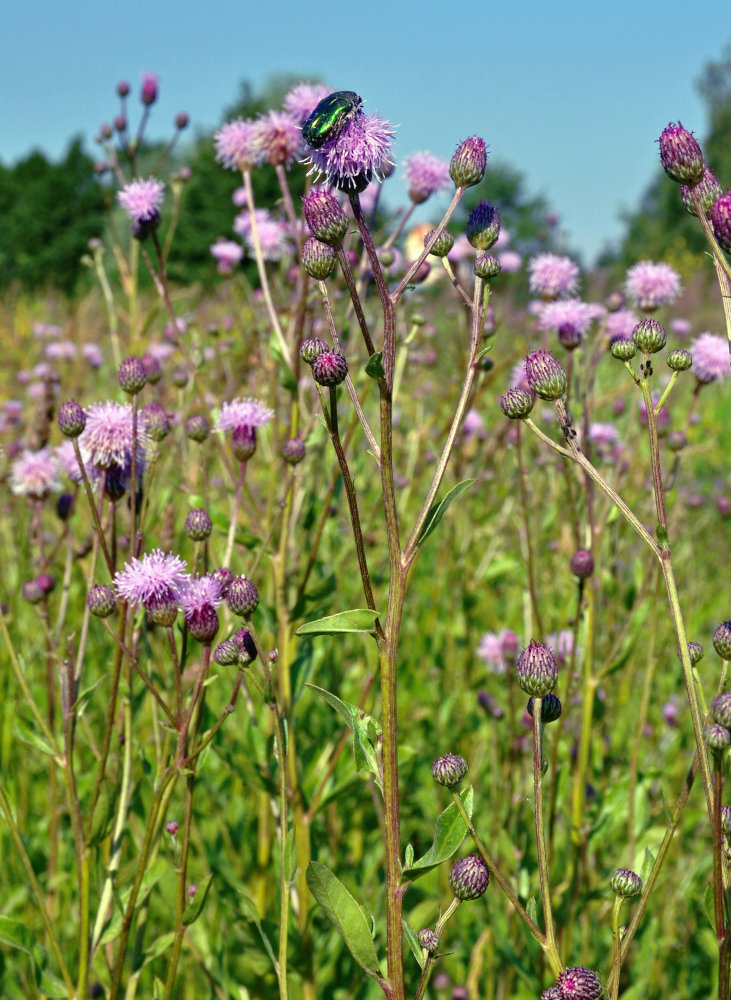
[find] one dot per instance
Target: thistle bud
(293, 451)
(649, 336)
(71, 419)
(545, 375)
(680, 155)
(716, 736)
(324, 216)
(486, 267)
(156, 421)
(721, 220)
(582, 564)
(483, 226)
(329, 368)
(679, 360)
(537, 669)
(312, 348)
(318, 259)
(580, 983)
(198, 525)
(443, 244)
(467, 166)
(708, 191)
(625, 883)
(226, 653)
(429, 940)
(197, 428)
(516, 404)
(132, 377)
(695, 651)
(623, 350)
(721, 709)
(722, 640)
(726, 820)
(469, 877)
(449, 769)
(101, 601)
(550, 708)
(242, 597)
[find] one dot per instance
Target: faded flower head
(157, 576)
(302, 99)
(551, 276)
(237, 146)
(141, 200)
(710, 353)
(425, 175)
(35, 474)
(359, 153)
(649, 285)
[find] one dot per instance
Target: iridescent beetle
(329, 117)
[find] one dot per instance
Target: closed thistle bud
(695, 651)
(580, 983)
(625, 883)
(716, 736)
(449, 769)
(552, 993)
(582, 564)
(469, 877)
(318, 259)
(182, 119)
(329, 368)
(293, 451)
(242, 596)
(429, 940)
(312, 348)
(467, 166)
(676, 440)
(197, 428)
(198, 525)
(679, 360)
(537, 669)
(486, 267)
(71, 419)
(243, 442)
(203, 623)
(443, 244)
(550, 708)
(708, 191)
(569, 336)
(32, 591)
(324, 216)
(101, 601)
(721, 709)
(721, 220)
(246, 646)
(179, 377)
(722, 640)
(152, 367)
(649, 336)
(545, 375)
(623, 350)
(156, 421)
(162, 610)
(483, 226)
(516, 404)
(680, 155)
(226, 653)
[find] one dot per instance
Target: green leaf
(708, 901)
(290, 857)
(103, 818)
(364, 727)
(193, 911)
(409, 855)
(449, 833)
(375, 368)
(438, 510)
(18, 935)
(346, 914)
(158, 948)
(250, 913)
(358, 620)
(51, 986)
(483, 352)
(26, 732)
(412, 938)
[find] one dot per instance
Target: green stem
(616, 948)
(551, 949)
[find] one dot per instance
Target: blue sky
(571, 94)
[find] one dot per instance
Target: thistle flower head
(330, 368)
(237, 146)
(721, 220)
(707, 190)
(302, 99)
(318, 259)
(35, 474)
(483, 226)
(649, 336)
(496, 649)
(243, 413)
(582, 564)
(516, 404)
(625, 883)
(722, 640)
(272, 234)
(361, 151)
(649, 285)
(142, 199)
(324, 216)
(680, 155)
(156, 421)
(148, 93)
(429, 939)
(467, 166)
(156, 577)
(101, 601)
(561, 313)
(198, 526)
(199, 598)
(242, 596)
(545, 375)
(710, 355)
(716, 736)
(721, 709)
(279, 138)
(228, 255)
(551, 276)
(425, 175)
(106, 441)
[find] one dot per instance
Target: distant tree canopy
(662, 229)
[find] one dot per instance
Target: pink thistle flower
(425, 174)
(243, 413)
(510, 260)
(473, 425)
(680, 326)
(552, 276)
(360, 152)
(228, 254)
(236, 145)
(106, 440)
(562, 644)
(491, 652)
(278, 137)
(240, 198)
(651, 285)
(569, 312)
(273, 234)
(66, 457)
(46, 330)
(141, 200)
(61, 350)
(157, 577)
(92, 355)
(710, 354)
(35, 474)
(621, 324)
(302, 99)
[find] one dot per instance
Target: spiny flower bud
(676, 440)
(483, 226)
(537, 669)
(152, 368)
(32, 591)
(516, 404)
(469, 877)
(198, 525)
(552, 993)
(679, 360)
(442, 246)
(721, 220)
(545, 375)
(721, 709)
(622, 350)
(324, 216)
(467, 166)
(318, 259)
(162, 610)
(203, 624)
(226, 653)
(449, 769)
(71, 418)
(625, 883)
(550, 708)
(312, 348)
(722, 640)
(197, 428)
(680, 155)
(486, 267)
(649, 336)
(156, 421)
(101, 601)
(580, 983)
(223, 577)
(708, 191)
(582, 564)
(716, 736)
(242, 596)
(429, 940)
(181, 120)
(695, 651)
(329, 368)
(293, 451)
(246, 646)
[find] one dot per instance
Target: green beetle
(329, 117)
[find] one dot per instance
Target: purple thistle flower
(141, 200)
(236, 145)
(273, 234)
(510, 261)
(92, 355)
(278, 137)
(106, 440)
(425, 174)
(680, 326)
(492, 650)
(651, 285)
(35, 474)
(301, 100)
(228, 254)
(552, 276)
(710, 357)
(573, 312)
(61, 350)
(157, 577)
(620, 324)
(243, 413)
(361, 151)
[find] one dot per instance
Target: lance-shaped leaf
(438, 510)
(343, 910)
(357, 620)
(448, 835)
(363, 726)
